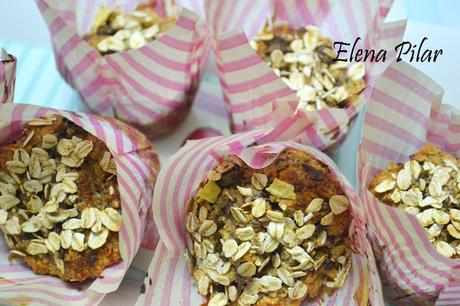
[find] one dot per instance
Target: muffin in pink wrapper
(147, 77)
(237, 214)
(76, 193)
(7, 77)
(303, 93)
(407, 130)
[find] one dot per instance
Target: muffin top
(428, 186)
(274, 236)
(59, 204)
(114, 31)
(305, 61)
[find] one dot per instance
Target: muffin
(272, 236)
(427, 185)
(305, 61)
(60, 205)
(114, 31)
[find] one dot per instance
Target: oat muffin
(114, 31)
(59, 201)
(274, 236)
(305, 61)
(428, 186)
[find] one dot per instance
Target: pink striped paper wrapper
(403, 114)
(137, 167)
(151, 88)
(256, 97)
(169, 281)
(7, 77)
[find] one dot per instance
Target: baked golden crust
(427, 186)
(428, 153)
(79, 266)
(96, 188)
(386, 174)
(239, 188)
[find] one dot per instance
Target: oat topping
(114, 31)
(430, 189)
(41, 208)
(243, 248)
(305, 61)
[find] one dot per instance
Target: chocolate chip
(91, 260)
(313, 174)
(230, 178)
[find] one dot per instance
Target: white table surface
(24, 33)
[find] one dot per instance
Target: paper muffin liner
(151, 88)
(403, 114)
(7, 77)
(169, 281)
(137, 167)
(252, 89)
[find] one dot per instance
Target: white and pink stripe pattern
(169, 281)
(147, 87)
(137, 167)
(252, 90)
(7, 77)
(403, 114)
